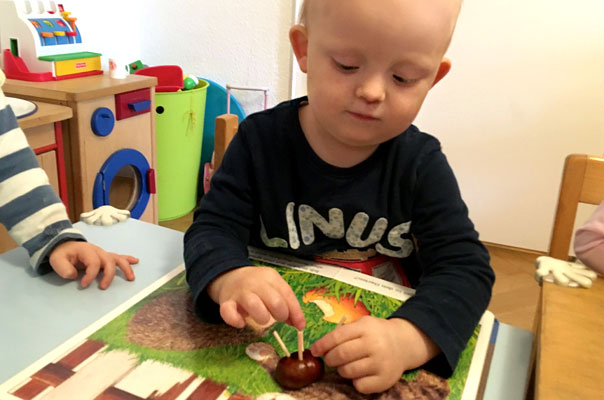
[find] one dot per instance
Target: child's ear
(443, 69)
(298, 37)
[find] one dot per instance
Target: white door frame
(298, 83)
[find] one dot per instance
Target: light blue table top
(39, 313)
(509, 372)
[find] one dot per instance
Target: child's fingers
(123, 262)
(255, 307)
(275, 304)
(336, 337)
(63, 267)
(230, 314)
(92, 264)
(371, 384)
(346, 352)
(282, 303)
(295, 316)
(358, 369)
(108, 265)
(131, 259)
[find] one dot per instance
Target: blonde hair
(303, 17)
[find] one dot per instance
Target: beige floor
(515, 294)
(179, 224)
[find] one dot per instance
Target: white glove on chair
(563, 273)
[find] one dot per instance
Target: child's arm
(30, 209)
(456, 279)
(36, 218)
(216, 241)
(374, 352)
(225, 285)
(589, 241)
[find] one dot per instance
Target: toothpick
(300, 345)
(281, 343)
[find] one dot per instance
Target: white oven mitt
(105, 216)
(563, 273)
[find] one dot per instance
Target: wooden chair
(224, 130)
(582, 182)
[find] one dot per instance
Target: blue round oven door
(122, 182)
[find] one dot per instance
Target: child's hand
(257, 292)
(69, 257)
(374, 352)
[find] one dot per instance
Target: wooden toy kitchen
(109, 143)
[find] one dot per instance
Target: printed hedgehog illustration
(168, 323)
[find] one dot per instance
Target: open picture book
(154, 347)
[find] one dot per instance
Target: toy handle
(138, 106)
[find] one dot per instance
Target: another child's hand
(257, 292)
(69, 257)
(374, 352)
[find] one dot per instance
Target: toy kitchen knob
(102, 121)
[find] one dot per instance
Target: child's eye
(345, 67)
(400, 79)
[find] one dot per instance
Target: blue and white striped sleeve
(30, 209)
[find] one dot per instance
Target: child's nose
(372, 90)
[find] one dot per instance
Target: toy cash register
(41, 42)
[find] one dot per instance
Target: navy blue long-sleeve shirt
(272, 191)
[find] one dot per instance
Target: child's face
(370, 64)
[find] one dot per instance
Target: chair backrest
(225, 128)
(582, 182)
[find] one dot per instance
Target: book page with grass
(154, 347)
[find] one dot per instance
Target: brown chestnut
(292, 373)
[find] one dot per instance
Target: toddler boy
(345, 169)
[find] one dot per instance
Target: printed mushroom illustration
(264, 354)
(336, 310)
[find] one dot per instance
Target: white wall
(526, 88)
(111, 28)
(240, 42)
(229, 41)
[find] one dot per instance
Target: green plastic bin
(179, 120)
